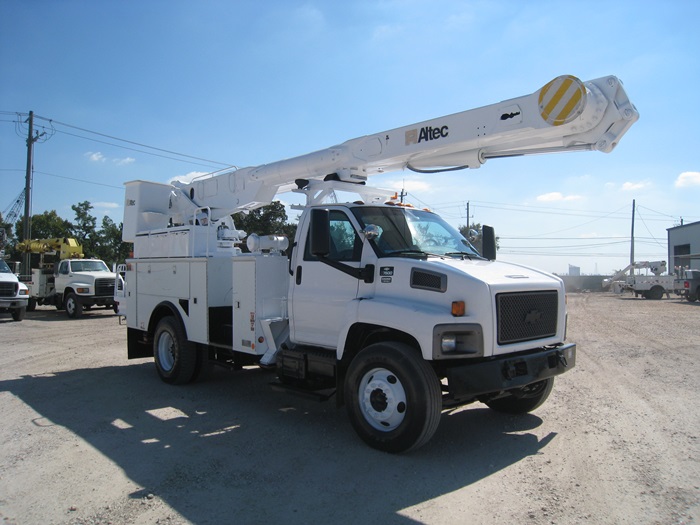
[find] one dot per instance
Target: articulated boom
(564, 115)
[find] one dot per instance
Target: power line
(164, 153)
(170, 152)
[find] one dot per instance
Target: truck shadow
(51, 314)
(232, 447)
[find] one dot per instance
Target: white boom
(564, 115)
(656, 267)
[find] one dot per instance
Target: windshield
(88, 266)
(4, 268)
(406, 231)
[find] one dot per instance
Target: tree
(478, 241)
(84, 228)
(45, 226)
(268, 220)
(110, 247)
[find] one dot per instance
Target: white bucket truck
(385, 306)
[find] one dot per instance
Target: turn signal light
(458, 308)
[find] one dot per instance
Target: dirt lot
(88, 437)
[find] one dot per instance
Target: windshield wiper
(468, 255)
(408, 253)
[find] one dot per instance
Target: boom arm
(564, 115)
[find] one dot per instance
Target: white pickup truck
(14, 295)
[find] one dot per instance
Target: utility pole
(26, 262)
(632, 240)
(31, 139)
(467, 217)
(403, 194)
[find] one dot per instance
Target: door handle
(298, 277)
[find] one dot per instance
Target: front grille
(104, 287)
(8, 289)
(525, 316)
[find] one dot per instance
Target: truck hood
(94, 275)
(500, 274)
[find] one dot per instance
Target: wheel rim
(382, 399)
(70, 306)
(166, 352)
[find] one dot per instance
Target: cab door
(319, 294)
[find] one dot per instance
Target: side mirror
(320, 232)
(488, 242)
(371, 231)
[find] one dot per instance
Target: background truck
(383, 306)
(69, 281)
(688, 285)
(648, 286)
(14, 295)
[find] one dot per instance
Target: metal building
(684, 246)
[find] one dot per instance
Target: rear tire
(31, 304)
(174, 355)
(525, 399)
(656, 293)
(393, 397)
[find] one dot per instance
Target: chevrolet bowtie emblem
(533, 316)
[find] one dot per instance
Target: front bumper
(511, 371)
(14, 303)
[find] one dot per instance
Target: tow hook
(562, 359)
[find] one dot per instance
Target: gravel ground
(88, 437)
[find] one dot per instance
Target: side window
(63, 269)
(346, 244)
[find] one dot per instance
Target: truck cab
(14, 295)
(83, 283)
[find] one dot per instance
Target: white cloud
(124, 161)
(109, 205)
(95, 156)
(188, 177)
(556, 196)
(688, 178)
(632, 186)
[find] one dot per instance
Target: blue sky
(245, 83)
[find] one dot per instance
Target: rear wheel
(692, 297)
(525, 399)
(656, 293)
(393, 397)
(31, 304)
(174, 355)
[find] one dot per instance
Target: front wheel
(524, 399)
(74, 308)
(174, 355)
(18, 313)
(393, 397)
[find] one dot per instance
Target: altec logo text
(413, 136)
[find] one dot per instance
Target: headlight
(82, 290)
(24, 292)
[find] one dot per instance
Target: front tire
(73, 306)
(393, 397)
(174, 355)
(19, 313)
(525, 399)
